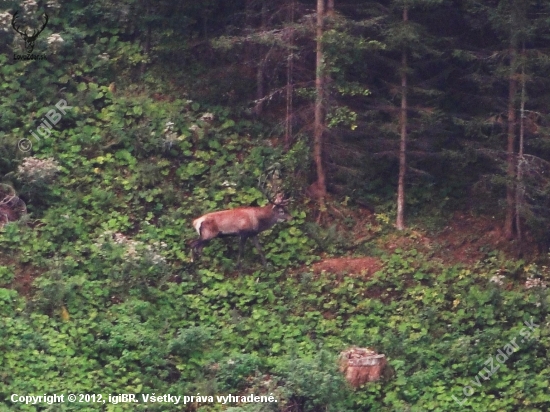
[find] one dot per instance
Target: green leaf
(227, 124)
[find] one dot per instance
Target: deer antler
(280, 200)
(271, 182)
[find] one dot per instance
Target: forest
(392, 157)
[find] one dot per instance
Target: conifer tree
(498, 74)
(407, 93)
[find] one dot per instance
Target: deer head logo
(29, 38)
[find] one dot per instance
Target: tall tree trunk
(258, 109)
(511, 155)
(319, 109)
(520, 189)
(289, 86)
(147, 46)
(248, 48)
(260, 93)
(403, 141)
(330, 8)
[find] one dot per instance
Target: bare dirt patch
(469, 238)
(24, 276)
(366, 266)
(465, 239)
(23, 280)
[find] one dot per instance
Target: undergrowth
(118, 307)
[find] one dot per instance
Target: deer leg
(194, 253)
(257, 244)
(196, 248)
(242, 241)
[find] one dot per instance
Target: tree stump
(361, 365)
(11, 207)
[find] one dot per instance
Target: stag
(29, 39)
(245, 222)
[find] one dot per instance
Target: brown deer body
(245, 222)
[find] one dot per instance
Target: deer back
(239, 221)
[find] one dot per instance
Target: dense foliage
(98, 293)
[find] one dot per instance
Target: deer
(29, 39)
(244, 222)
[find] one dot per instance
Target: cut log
(361, 365)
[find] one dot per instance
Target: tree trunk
(330, 8)
(319, 110)
(511, 160)
(289, 87)
(520, 190)
(403, 141)
(147, 46)
(260, 93)
(258, 109)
